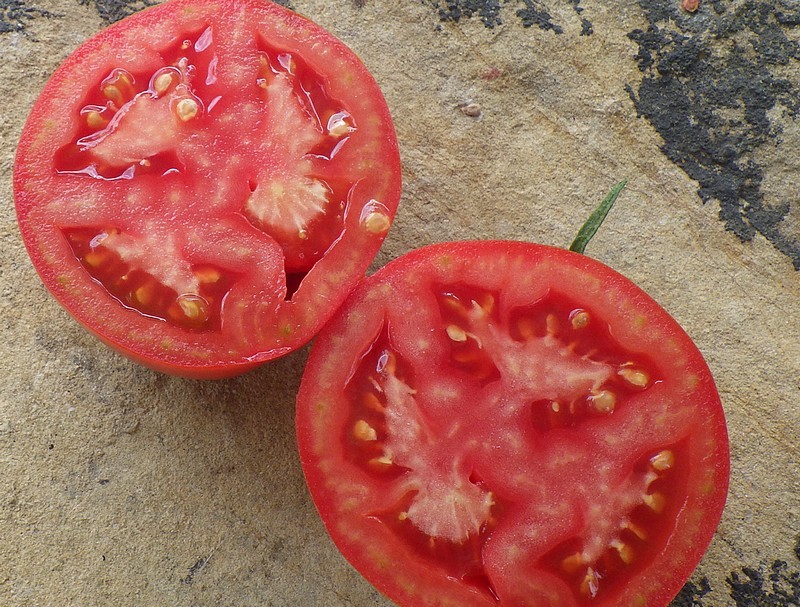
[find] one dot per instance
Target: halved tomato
(508, 424)
(203, 183)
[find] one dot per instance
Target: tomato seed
(194, 307)
(624, 551)
(456, 333)
(113, 94)
(603, 401)
(655, 501)
(663, 460)
(526, 328)
(338, 125)
(376, 222)
(187, 108)
(573, 563)
(95, 120)
(637, 530)
(208, 275)
(634, 377)
(95, 259)
(579, 319)
(363, 431)
(162, 82)
(145, 294)
(381, 463)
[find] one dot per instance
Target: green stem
(589, 228)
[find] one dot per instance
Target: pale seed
(456, 333)
(638, 531)
(603, 401)
(112, 93)
(363, 431)
(579, 319)
(655, 501)
(187, 109)
(95, 120)
(624, 550)
(664, 460)
(162, 83)
(94, 258)
(337, 125)
(635, 377)
(193, 307)
(144, 294)
(377, 222)
(208, 275)
(383, 461)
(572, 563)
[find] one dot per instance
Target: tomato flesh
(203, 183)
(518, 425)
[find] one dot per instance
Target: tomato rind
(345, 494)
(262, 322)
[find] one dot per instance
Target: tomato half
(498, 423)
(203, 183)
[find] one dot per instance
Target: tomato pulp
(509, 424)
(202, 184)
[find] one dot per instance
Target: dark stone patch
(455, 10)
(195, 570)
(530, 13)
(711, 88)
(691, 594)
(111, 11)
(15, 16)
(534, 13)
(778, 587)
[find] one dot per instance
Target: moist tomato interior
(508, 424)
(579, 332)
(233, 136)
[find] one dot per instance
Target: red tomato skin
(193, 354)
(342, 492)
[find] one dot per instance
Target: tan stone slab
(120, 486)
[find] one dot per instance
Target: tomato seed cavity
(137, 289)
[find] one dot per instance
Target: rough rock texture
(120, 486)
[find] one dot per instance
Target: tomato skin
(366, 508)
(283, 280)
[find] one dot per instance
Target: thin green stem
(589, 228)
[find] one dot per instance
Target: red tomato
(507, 424)
(203, 183)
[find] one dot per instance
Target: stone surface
(120, 486)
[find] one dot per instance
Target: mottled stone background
(120, 486)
